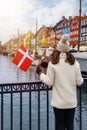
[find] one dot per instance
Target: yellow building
(28, 40)
(44, 41)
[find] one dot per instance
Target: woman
(64, 75)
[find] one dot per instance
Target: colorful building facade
(84, 31)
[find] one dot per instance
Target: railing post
(1, 108)
(11, 109)
(80, 107)
(30, 109)
(47, 109)
(38, 109)
(21, 107)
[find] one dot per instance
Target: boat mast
(36, 40)
(80, 4)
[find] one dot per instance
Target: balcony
(26, 106)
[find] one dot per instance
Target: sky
(21, 15)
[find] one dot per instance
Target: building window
(85, 22)
(82, 23)
(83, 30)
(86, 29)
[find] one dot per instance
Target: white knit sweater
(64, 78)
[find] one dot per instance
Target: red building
(74, 31)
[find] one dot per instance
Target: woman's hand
(38, 70)
(43, 70)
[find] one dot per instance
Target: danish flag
(22, 59)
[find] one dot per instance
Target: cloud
(22, 15)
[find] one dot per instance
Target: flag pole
(18, 38)
(79, 24)
(36, 40)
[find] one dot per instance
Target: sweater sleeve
(79, 79)
(48, 78)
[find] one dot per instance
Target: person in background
(64, 75)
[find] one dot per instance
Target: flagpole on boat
(36, 40)
(80, 4)
(18, 38)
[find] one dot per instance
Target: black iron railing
(31, 105)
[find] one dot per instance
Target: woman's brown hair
(56, 56)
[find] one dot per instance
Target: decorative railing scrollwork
(23, 87)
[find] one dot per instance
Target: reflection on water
(9, 72)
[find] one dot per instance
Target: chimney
(63, 17)
(70, 17)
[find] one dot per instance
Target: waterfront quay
(25, 101)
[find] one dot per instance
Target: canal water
(10, 73)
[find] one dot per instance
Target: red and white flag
(22, 59)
